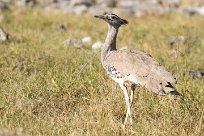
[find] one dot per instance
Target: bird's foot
(127, 125)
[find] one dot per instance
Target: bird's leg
(130, 103)
(127, 100)
(133, 86)
(131, 97)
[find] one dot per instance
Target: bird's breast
(112, 72)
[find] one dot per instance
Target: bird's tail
(170, 89)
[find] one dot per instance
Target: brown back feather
(138, 63)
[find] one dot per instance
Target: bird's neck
(110, 42)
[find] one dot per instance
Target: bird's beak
(99, 16)
(124, 22)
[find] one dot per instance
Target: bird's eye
(113, 17)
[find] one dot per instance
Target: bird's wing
(138, 63)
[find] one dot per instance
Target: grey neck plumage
(110, 42)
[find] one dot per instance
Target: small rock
(123, 10)
(97, 45)
(125, 4)
(174, 3)
(194, 73)
(139, 13)
(199, 10)
(56, 8)
(98, 10)
(3, 35)
(47, 2)
(154, 9)
(172, 40)
(23, 3)
(3, 5)
(80, 9)
(185, 39)
(60, 27)
(106, 3)
(87, 3)
(194, 41)
(74, 42)
(86, 39)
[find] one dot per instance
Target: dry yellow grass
(44, 90)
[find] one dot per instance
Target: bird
(132, 66)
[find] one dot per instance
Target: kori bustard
(135, 67)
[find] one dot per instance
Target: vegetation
(47, 88)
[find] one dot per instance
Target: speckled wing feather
(138, 64)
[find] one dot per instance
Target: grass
(49, 89)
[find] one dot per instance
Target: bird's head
(112, 20)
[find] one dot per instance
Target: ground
(47, 88)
